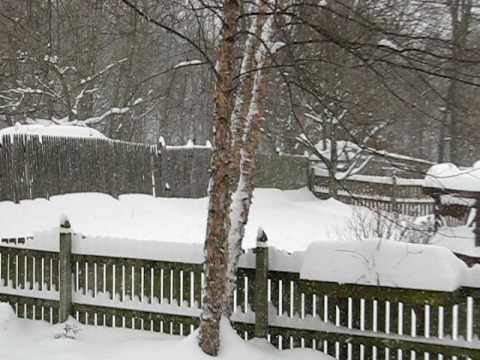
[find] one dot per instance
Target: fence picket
(197, 292)
(137, 282)
(121, 281)
(147, 284)
(166, 284)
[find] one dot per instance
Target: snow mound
(143, 249)
(235, 348)
(384, 263)
(69, 131)
(6, 316)
(472, 278)
(459, 239)
(449, 176)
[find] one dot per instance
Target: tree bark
(460, 14)
(216, 244)
(240, 115)
(247, 141)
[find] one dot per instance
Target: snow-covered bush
(69, 330)
(367, 224)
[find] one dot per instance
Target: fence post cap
(64, 222)
(262, 238)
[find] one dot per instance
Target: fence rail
(345, 321)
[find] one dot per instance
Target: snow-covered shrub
(367, 224)
(68, 331)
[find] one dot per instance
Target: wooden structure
(39, 167)
(444, 206)
(345, 321)
(392, 194)
(383, 181)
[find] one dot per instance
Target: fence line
(33, 167)
(395, 195)
(39, 167)
(345, 321)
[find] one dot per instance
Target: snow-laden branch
(317, 119)
(11, 103)
(187, 63)
(353, 169)
(98, 119)
(375, 131)
(102, 71)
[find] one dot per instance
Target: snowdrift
(27, 339)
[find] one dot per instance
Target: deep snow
(28, 339)
(325, 236)
(291, 219)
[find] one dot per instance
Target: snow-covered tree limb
(99, 119)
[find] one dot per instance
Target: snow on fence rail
(272, 300)
(42, 166)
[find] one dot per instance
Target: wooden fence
(33, 167)
(345, 321)
(402, 196)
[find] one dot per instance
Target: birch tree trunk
(247, 141)
(216, 245)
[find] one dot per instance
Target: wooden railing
(345, 321)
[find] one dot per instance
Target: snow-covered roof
(449, 177)
(69, 131)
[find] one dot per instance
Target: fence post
(394, 196)
(476, 230)
(65, 261)
(261, 285)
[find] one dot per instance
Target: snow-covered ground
(27, 339)
(291, 219)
